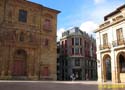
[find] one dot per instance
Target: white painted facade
(113, 22)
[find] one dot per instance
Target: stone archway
(107, 75)
(121, 67)
(19, 63)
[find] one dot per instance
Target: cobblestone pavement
(57, 85)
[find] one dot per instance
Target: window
(76, 41)
(47, 24)
(77, 62)
(120, 39)
(46, 42)
(22, 16)
(76, 50)
(105, 39)
(119, 34)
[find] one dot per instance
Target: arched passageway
(107, 68)
(121, 66)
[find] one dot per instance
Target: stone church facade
(27, 40)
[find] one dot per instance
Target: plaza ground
(58, 85)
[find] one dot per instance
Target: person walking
(72, 77)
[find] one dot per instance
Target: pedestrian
(86, 76)
(77, 76)
(72, 77)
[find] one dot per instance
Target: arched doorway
(121, 66)
(107, 68)
(19, 63)
(122, 63)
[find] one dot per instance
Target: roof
(114, 12)
(57, 11)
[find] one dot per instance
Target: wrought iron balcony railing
(107, 46)
(118, 42)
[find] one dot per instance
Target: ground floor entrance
(107, 68)
(77, 73)
(121, 67)
(112, 67)
(19, 68)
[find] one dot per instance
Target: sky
(85, 14)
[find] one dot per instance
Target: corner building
(110, 37)
(27, 40)
(77, 55)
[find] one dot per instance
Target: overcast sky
(86, 14)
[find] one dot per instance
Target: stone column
(114, 67)
(2, 68)
(117, 73)
(29, 63)
(36, 65)
(32, 66)
(103, 70)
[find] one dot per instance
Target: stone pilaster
(114, 67)
(99, 68)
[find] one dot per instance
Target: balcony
(114, 20)
(106, 46)
(119, 43)
(105, 24)
(120, 17)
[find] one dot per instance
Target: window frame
(105, 39)
(76, 50)
(77, 62)
(47, 25)
(22, 16)
(77, 41)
